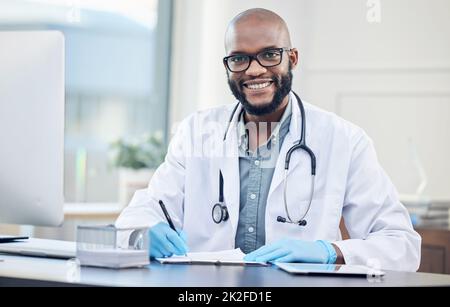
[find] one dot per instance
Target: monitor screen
(31, 127)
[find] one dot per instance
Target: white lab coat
(349, 183)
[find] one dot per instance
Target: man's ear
(294, 57)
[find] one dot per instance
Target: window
(117, 72)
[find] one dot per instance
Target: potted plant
(137, 160)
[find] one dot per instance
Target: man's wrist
(331, 251)
(339, 256)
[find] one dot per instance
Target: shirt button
(257, 162)
(251, 229)
(252, 196)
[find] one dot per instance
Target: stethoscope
(220, 211)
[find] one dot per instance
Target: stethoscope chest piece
(219, 213)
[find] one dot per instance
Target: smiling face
(261, 90)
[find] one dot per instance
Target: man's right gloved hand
(164, 242)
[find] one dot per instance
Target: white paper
(233, 256)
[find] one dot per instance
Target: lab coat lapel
(229, 164)
(291, 138)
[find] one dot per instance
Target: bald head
(256, 23)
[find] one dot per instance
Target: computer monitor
(31, 127)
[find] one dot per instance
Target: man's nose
(255, 69)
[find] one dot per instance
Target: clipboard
(212, 262)
(227, 257)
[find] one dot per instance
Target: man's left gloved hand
(291, 250)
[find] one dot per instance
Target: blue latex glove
(164, 242)
(290, 250)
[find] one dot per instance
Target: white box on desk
(110, 247)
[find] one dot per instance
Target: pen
(11, 239)
(169, 220)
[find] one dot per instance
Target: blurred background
(135, 68)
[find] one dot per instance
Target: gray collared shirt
(256, 171)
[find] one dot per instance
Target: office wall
(391, 77)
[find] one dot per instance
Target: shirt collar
(274, 137)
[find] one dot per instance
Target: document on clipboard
(226, 257)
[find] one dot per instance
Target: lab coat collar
(296, 120)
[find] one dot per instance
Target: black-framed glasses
(266, 58)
